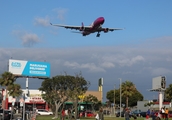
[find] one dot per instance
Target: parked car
(143, 114)
(43, 112)
(90, 114)
(6, 114)
(170, 114)
(137, 113)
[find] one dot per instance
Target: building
(35, 100)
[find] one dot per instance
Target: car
(118, 114)
(90, 114)
(143, 114)
(137, 113)
(87, 114)
(44, 112)
(6, 114)
(170, 114)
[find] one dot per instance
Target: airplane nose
(102, 20)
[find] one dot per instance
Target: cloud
(137, 64)
(42, 21)
(160, 71)
(107, 64)
(27, 39)
(90, 66)
(61, 12)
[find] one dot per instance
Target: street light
(120, 96)
(114, 99)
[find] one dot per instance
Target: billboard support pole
(160, 100)
(24, 106)
(27, 86)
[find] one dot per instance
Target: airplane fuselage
(96, 25)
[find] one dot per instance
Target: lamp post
(114, 99)
(120, 96)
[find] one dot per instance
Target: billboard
(29, 68)
(159, 82)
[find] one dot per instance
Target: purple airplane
(96, 26)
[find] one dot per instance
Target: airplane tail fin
(82, 24)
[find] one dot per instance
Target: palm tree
(128, 89)
(168, 92)
(7, 80)
(14, 90)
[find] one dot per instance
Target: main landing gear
(98, 34)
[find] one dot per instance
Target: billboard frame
(29, 69)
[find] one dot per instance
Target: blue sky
(138, 53)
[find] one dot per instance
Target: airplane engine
(81, 28)
(106, 30)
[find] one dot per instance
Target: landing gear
(98, 34)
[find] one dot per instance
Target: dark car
(118, 114)
(143, 114)
(5, 114)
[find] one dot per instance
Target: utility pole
(120, 96)
(114, 100)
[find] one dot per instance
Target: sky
(138, 53)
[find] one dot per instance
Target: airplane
(96, 26)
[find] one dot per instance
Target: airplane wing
(72, 27)
(108, 29)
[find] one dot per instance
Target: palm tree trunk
(6, 97)
(126, 102)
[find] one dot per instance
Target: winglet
(51, 24)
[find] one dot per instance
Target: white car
(43, 112)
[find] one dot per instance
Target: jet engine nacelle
(106, 30)
(81, 28)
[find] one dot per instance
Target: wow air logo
(16, 64)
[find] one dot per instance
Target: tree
(7, 80)
(148, 104)
(168, 93)
(127, 90)
(92, 99)
(78, 86)
(59, 89)
(55, 91)
(110, 96)
(15, 90)
(137, 96)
